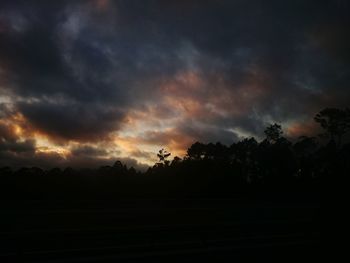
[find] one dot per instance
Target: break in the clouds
(85, 82)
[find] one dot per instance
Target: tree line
(208, 169)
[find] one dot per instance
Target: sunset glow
(85, 83)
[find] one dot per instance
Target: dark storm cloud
(206, 134)
(87, 150)
(18, 147)
(76, 69)
(71, 121)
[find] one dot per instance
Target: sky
(84, 83)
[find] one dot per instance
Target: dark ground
(160, 230)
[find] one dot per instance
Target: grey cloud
(72, 121)
(109, 62)
(88, 151)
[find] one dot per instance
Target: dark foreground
(160, 231)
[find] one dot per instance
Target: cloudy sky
(83, 83)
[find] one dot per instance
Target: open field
(165, 230)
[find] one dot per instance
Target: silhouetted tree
(69, 171)
(218, 152)
(336, 123)
(176, 161)
(305, 146)
(119, 168)
(55, 171)
(196, 151)
(163, 155)
(132, 171)
(273, 132)
(105, 170)
(243, 155)
(276, 157)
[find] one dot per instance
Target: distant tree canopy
(273, 132)
(335, 122)
(275, 159)
(215, 168)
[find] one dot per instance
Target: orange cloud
(309, 128)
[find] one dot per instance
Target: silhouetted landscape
(274, 166)
(173, 130)
(233, 197)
